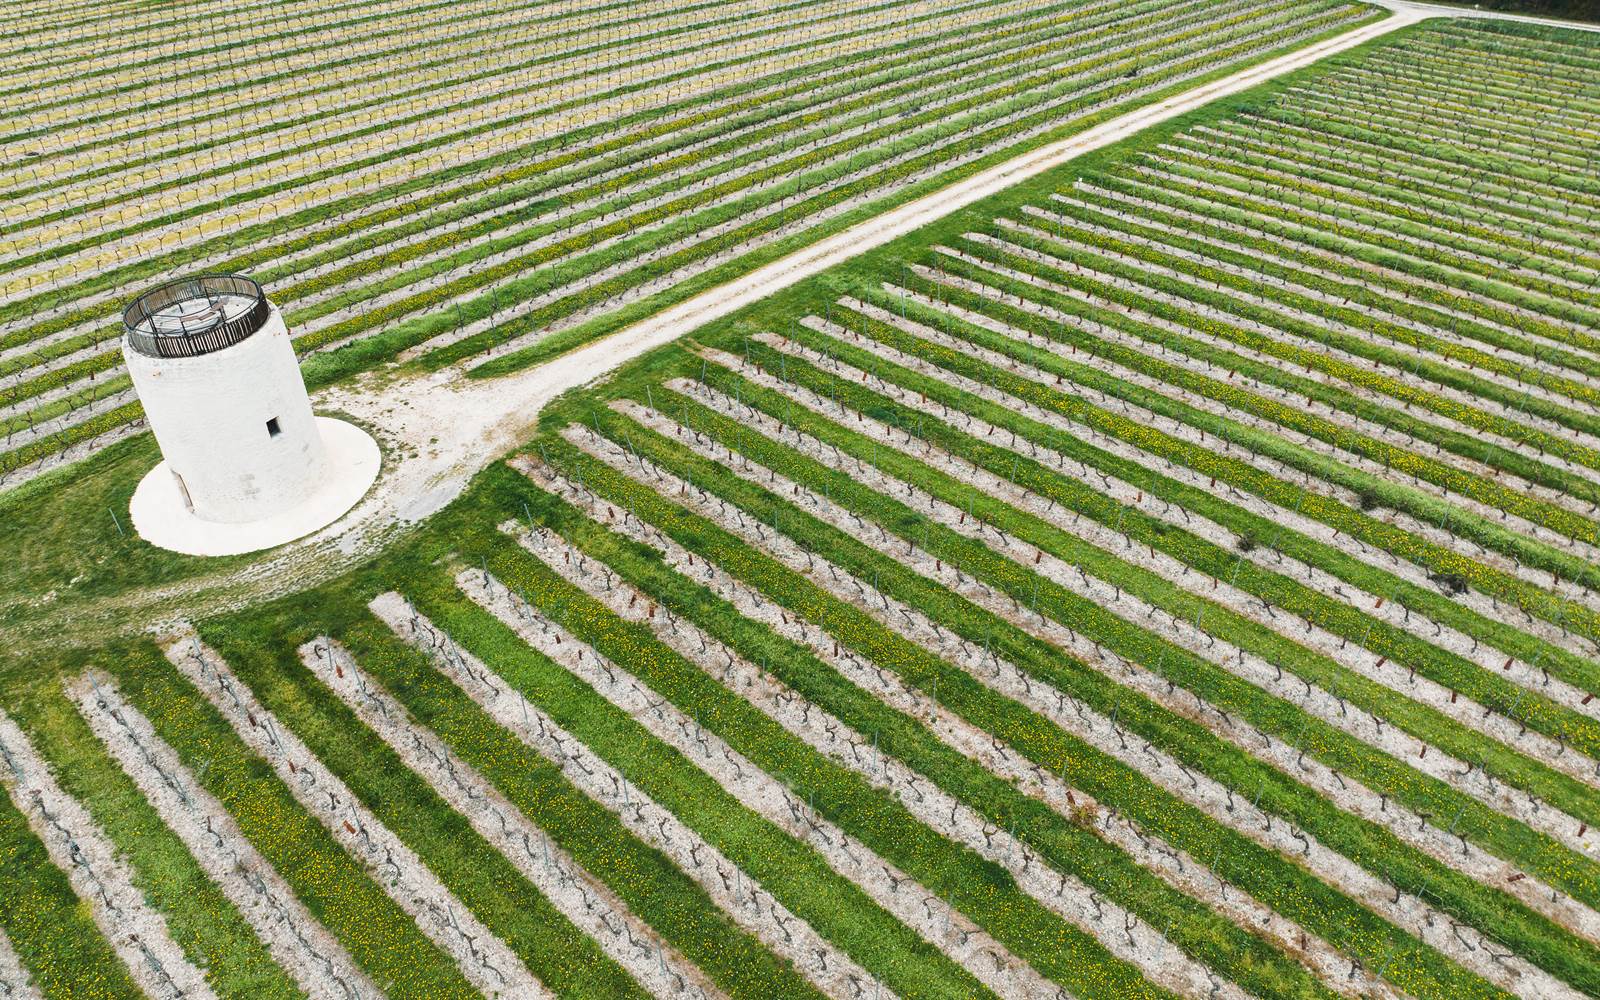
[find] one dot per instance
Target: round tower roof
(193, 316)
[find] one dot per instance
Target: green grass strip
(380, 936)
(1386, 491)
(1558, 661)
(1263, 873)
(261, 650)
(982, 890)
(1269, 714)
(786, 868)
(199, 917)
(49, 927)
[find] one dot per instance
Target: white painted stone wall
(210, 414)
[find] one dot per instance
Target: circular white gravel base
(163, 519)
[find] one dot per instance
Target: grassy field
(1175, 576)
(404, 192)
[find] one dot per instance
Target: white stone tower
(246, 463)
(213, 365)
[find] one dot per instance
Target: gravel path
(1401, 376)
(443, 429)
(306, 317)
(931, 137)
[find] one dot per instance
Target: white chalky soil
(581, 897)
(893, 890)
(932, 804)
(485, 960)
(15, 983)
(99, 875)
(735, 891)
(305, 949)
(1007, 679)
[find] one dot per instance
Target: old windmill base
(163, 517)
